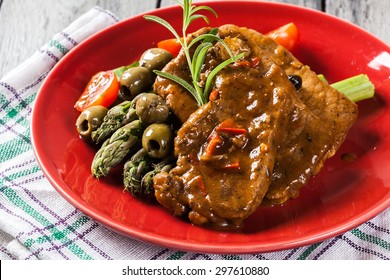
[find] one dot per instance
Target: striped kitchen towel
(37, 223)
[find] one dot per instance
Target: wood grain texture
(314, 4)
(371, 15)
(27, 25)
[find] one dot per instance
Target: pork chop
(303, 154)
(304, 150)
(223, 183)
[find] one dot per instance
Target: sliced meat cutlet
(303, 154)
(311, 138)
(222, 174)
(225, 187)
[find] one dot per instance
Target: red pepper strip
(214, 141)
(255, 61)
(230, 127)
(226, 123)
(232, 130)
(234, 165)
(214, 95)
(243, 63)
(201, 185)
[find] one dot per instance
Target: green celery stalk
(356, 88)
(322, 78)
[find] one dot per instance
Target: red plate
(342, 196)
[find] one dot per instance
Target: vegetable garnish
(214, 95)
(230, 127)
(102, 89)
(214, 142)
(195, 63)
(139, 172)
(286, 35)
(356, 88)
(116, 148)
(116, 117)
(232, 166)
(172, 45)
(226, 129)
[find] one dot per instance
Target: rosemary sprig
(190, 13)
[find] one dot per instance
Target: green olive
(155, 59)
(157, 140)
(134, 81)
(89, 120)
(151, 108)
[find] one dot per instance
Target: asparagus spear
(116, 148)
(139, 172)
(135, 168)
(116, 117)
(147, 179)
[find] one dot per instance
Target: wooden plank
(314, 4)
(27, 25)
(372, 15)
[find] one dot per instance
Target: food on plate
(155, 58)
(289, 133)
(356, 88)
(90, 120)
(171, 45)
(229, 123)
(115, 149)
(286, 36)
(157, 140)
(151, 108)
(139, 172)
(117, 116)
(102, 90)
(134, 81)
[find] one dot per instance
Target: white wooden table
(25, 25)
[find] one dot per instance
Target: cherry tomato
(286, 35)
(102, 89)
(171, 45)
